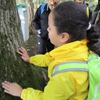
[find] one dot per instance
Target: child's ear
(64, 37)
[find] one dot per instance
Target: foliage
(92, 3)
(21, 2)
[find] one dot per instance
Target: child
(68, 24)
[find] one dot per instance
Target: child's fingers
(5, 87)
(5, 84)
(22, 49)
(20, 53)
(6, 91)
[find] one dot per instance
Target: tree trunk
(35, 5)
(12, 67)
(30, 5)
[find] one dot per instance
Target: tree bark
(35, 5)
(30, 5)
(12, 67)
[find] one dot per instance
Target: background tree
(12, 67)
(30, 6)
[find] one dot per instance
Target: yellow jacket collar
(72, 51)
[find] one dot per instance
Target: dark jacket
(41, 21)
(85, 5)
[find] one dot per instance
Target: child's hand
(12, 88)
(24, 55)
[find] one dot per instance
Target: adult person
(86, 7)
(96, 21)
(40, 22)
(68, 24)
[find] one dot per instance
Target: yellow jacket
(71, 85)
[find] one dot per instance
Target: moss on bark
(12, 67)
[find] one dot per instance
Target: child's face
(53, 3)
(52, 32)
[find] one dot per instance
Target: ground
(31, 44)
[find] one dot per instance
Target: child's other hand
(12, 88)
(24, 55)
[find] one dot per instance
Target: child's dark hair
(71, 17)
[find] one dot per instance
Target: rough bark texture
(35, 5)
(30, 5)
(12, 67)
